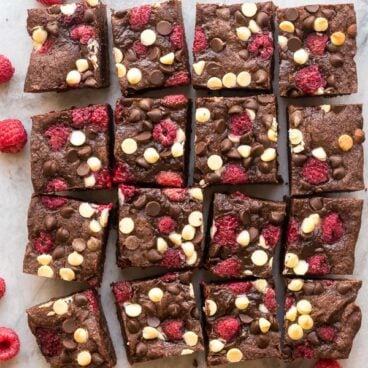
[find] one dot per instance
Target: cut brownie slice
(70, 47)
(326, 149)
(159, 317)
(321, 318)
(322, 236)
(70, 149)
(72, 331)
(244, 235)
(150, 47)
(233, 46)
(236, 140)
(160, 227)
(317, 48)
(67, 239)
(150, 137)
(241, 321)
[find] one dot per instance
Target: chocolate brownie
(317, 46)
(233, 46)
(160, 227)
(70, 149)
(241, 322)
(150, 47)
(236, 140)
(322, 236)
(321, 318)
(159, 317)
(326, 149)
(66, 239)
(72, 331)
(150, 140)
(70, 47)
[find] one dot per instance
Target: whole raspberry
(13, 136)
(178, 79)
(2, 287)
(139, 49)
(122, 174)
(81, 116)
(172, 259)
(269, 300)
(9, 344)
(293, 232)
(166, 225)
(56, 185)
(49, 341)
(332, 228)
(309, 79)
(227, 328)
(92, 300)
(103, 179)
(327, 363)
(177, 37)
(303, 351)
(327, 333)
(200, 40)
(50, 2)
(261, 45)
(57, 136)
(122, 291)
(169, 179)
(234, 174)
(228, 268)
(139, 17)
(175, 101)
(271, 235)
(240, 124)
(53, 203)
(173, 329)
(175, 194)
(128, 191)
(226, 229)
(100, 118)
(43, 243)
(317, 43)
(6, 69)
(289, 302)
(165, 132)
(318, 265)
(82, 33)
(240, 288)
(315, 172)
(76, 17)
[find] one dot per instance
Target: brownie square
(70, 149)
(233, 46)
(321, 318)
(326, 149)
(150, 48)
(70, 47)
(244, 235)
(241, 321)
(66, 239)
(236, 140)
(322, 236)
(72, 331)
(159, 317)
(317, 46)
(150, 140)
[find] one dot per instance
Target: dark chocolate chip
(260, 76)
(72, 156)
(164, 27)
(79, 245)
(294, 44)
(214, 69)
(308, 23)
(200, 148)
(153, 321)
(154, 53)
(244, 54)
(262, 19)
(83, 169)
(153, 209)
(339, 173)
(131, 242)
(80, 300)
(140, 202)
(335, 161)
(240, 18)
(343, 287)
(62, 235)
(251, 104)
(220, 126)
(50, 222)
(246, 162)
(336, 60)
(316, 204)
(313, 338)
(291, 14)
(265, 167)
(143, 137)
(233, 153)
(146, 104)
(141, 349)
(135, 114)
(298, 159)
(88, 16)
(236, 109)
(58, 252)
(217, 44)
(97, 359)
(253, 234)
(155, 115)
(69, 325)
(69, 343)
(53, 28)
(173, 310)
(262, 341)
(245, 318)
(312, 8)
(257, 150)
(276, 217)
(130, 55)
(254, 328)
(156, 77)
(226, 145)
(133, 325)
(49, 168)
(85, 152)
(154, 256)
(245, 217)
(67, 212)
(223, 13)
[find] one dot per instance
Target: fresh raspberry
(240, 124)
(49, 341)
(100, 118)
(139, 49)
(81, 116)
(327, 363)
(269, 300)
(139, 16)
(315, 172)
(200, 40)
(46, 46)
(103, 179)
(234, 174)
(261, 45)
(76, 17)
(175, 101)
(43, 243)
(228, 268)
(327, 333)
(92, 300)
(293, 232)
(227, 328)
(172, 259)
(53, 203)
(178, 79)
(303, 351)
(165, 132)
(177, 37)
(57, 136)
(173, 329)
(122, 291)
(175, 194)
(271, 235)
(240, 288)
(50, 2)
(82, 33)
(56, 185)
(6, 69)
(332, 228)
(318, 265)
(309, 79)
(169, 179)
(317, 43)
(122, 174)
(240, 195)
(166, 225)
(9, 344)
(289, 302)
(226, 229)
(128, 191)
(13, 136)
(2, 287)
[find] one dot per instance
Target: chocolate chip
(133, 326)
(359, 136)
(291, 14)
(69, 344)
(154, 53)
(336, 60)
(226, 145)
(223, 13)
(316, 204)
(233, 153)
(241, 19)
(335, 161)
(155, 115)
(253, 234)
(244, 54)
(328, 13)
(217, 44)
(254, 328)
(147, 125)
(167, 69)
(135, 115)
(236, 109)
(257, 150)
(149, 308)
(72, 156)
(244, 217)
(214, 69)
(318, 288)
(339, 173)
(246, 162)
(265, 167)
(312, 8)
(262, 19)
(143, 137)
(130, 55)
(67, 212)
(88, 16)
(294, 44)
(53, 28)
(83, 169)
(164, 27)
(308, 288)
(62, 235)
(220, 126)
(141, 349)
(173, 289)
(90, 82)
(153, 321)
(58, 252)
(142, 162)
(260, 76)
(140, 202)
(85, 152)
(298, 159)
(79, 245)
(352, 30)
(332, 48)
(50, 222)
(93, 244)
(97, 359)
(251, 104)
(337, 109)
(308, 23)
(276, 217)
(80, 300)
(156, 77)
(87, 74)
(245, 318)
(154, 256)
(173, 310)
(69, 325)
(49, 168)
(131, 242)
(200, 148)
(146, 104)
(313, 338)
(343, 287)
(262, 341)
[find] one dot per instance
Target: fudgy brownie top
(150, 136)
(150, 47)
(159, 317)
(321, 318)
(326, 148)
(233, 46)
(322, 235)
(317, 46)
(236, 140)
(241, 322)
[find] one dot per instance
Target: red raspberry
(234, 174)
(100, 118)
(76, 17)
(271, 235)
(289, 302)
(56, 185)
(57, 136)
(240, 124)
(122, 173)
(81, 116)
(317, 43)
(303, 351)
(50, 2)
(228, 268)
(13, 136)
(177, 37)
(165, 132)
(269, 300)
(43, 243)
(318, 265)
(172, 259)
(309, 79)
(49, 341)
(226, 229)
(139, 16)
(139, 49)
(2, 287)
(166, 225)
(240, 288)
(47, 45)
(122, 291)
(261, 45)
(53, 203)
(173, 329)
(9, 344)
(175, 194)
(227, 328)
(175, 101)
(178, 79)
(6, 69)
(128, 191)
(332, 228)
(92, 299)
(327, 333)
(315, 172)
(200, 40)
(240, 195)
(103, 179)
(293, 232)
(82, 33)
(169, 277)
(169, 179)
(327, 363)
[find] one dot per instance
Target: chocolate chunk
(164, 27)
(217, 44)
(156, 77)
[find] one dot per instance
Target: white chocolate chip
(305, 322)
(326, 108)
(214, 83)
(68, 9)
(186, 352)
(252, 114)
(249, 9)
(244, 79)
(134, 76)
(120, 70)
(67, 274)
(296, 285)
(129, 146)
(295, 332)
(291, 314)
(244, 150)
(86, 210)
(214, 162)
(295, 136)
(199, 67)
(192, 259)
(243, 238)
(196, 193)
(133, 310)
(39, 35)
(320, 154)
(262, 242)
(177, 150)
(81, 335)
(84, 358)
(60, 307)
(243, 33)
(89, 181)
(150, 333)
(188, 232)
(203, 115)
(95, 226)
(45, 271)
(291, 260)
(259, 257)
(75, 259)
(148, 37)
(301, 56)
(310, 223)
(180, 136)
(338, 38)
(345, 142)
(104, 218)
(253, 26)
(118, 55)
(301, 268)
(299, 148)
(242, 302)
(94, 163)
(73, 78)
(93, 3)
(272, 135)
(77, 138)
(188, 249)
(156, 294)
(44, 259)
(210, 307)
(151, 155)
(175, 238)
(190, 338)
(261, 285)
(234, 355)
(282, 40)
(82, 65)
(320, 24)
(304, 306)
(191, 291)
(268, 155)
(287, 26)
(161, 245)
(229, 80)
(264, 325)
(195, 219)
(167, 59)
(126, 225)
(216, 346)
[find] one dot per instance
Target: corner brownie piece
(150, 140)
(317, 46)
(72, 331)
(70, 47)
(160, 227)
(67, 239)
(70, 149)
(322, 236)
(233, 46)
(241, 321)
(321, 318)
(159, 317)
(150, 47)
(236, 140)
(326, 149)
(244, 235)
